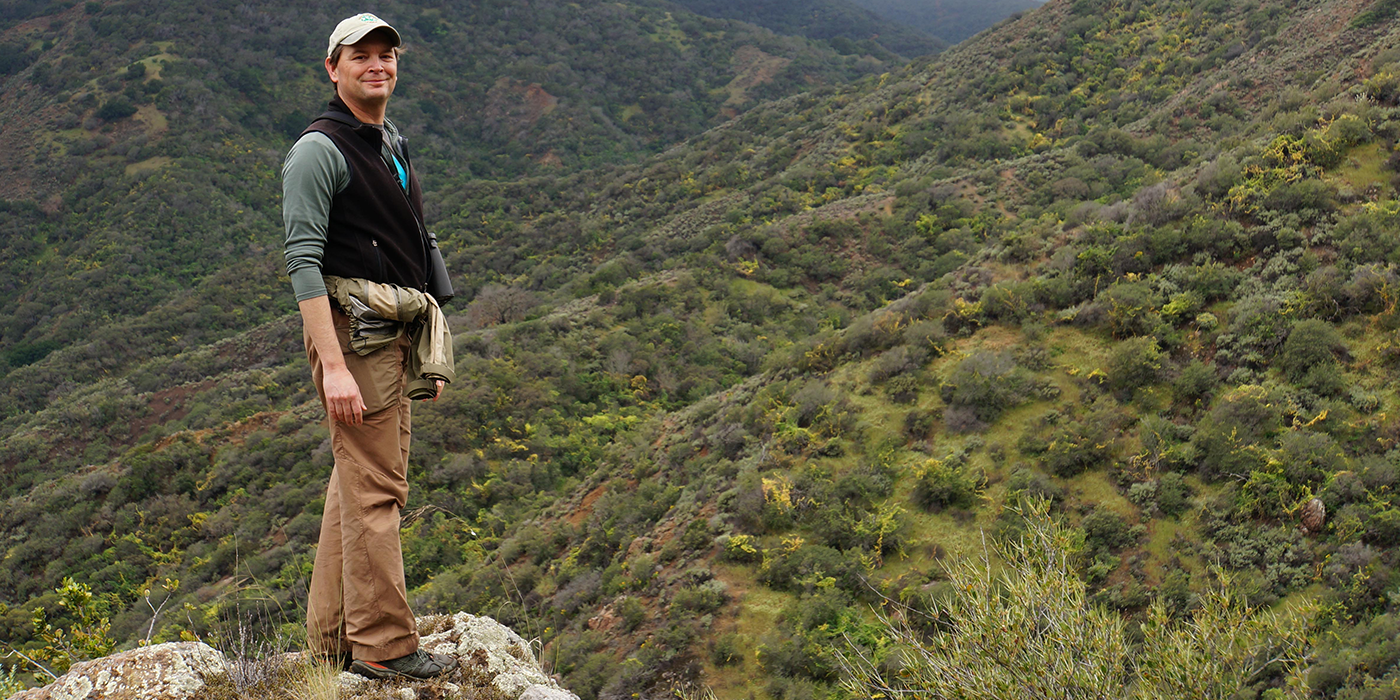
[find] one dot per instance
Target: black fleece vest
(375, 230)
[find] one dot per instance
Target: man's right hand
(343, 400)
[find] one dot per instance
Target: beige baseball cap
(352, 29)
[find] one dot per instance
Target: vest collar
(368, 132)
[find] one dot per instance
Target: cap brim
(359, 34)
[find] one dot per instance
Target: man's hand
(439, 391)
(343, 400)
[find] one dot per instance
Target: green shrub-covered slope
(950, 20)
(721, 407)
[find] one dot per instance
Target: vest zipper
(378, 256)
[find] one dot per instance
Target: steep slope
(716, 405)
(844, 23)
(950, 20)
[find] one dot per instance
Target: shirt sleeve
(314, 172)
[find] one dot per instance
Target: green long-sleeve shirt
(312, 175)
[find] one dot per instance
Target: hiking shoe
(420, 664)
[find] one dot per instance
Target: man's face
(367, 71)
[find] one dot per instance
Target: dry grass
(298, 677)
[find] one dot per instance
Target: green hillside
(950, 20)
(844, 23)
(145, 165)
(723, 406)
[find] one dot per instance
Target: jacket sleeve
(313, 173)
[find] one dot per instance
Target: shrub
(1035, 486)
(943, 483)
(1226, 439)
(903, 389)
(89, 635)
(1034, 617)
(116, 108)
(728, 650)
(985, 383)
(1134, 363)
(1078, 446)
(1309, 458)
(895, 362)
(1195, 384)
(1308, 197)
(926, 335)
(1130, 308)
(699, 600)
(632, 611)
(799, 566)
(1106, 530)
(1310, 345)
(918, 424)
(1173, 494)
(1216, 178)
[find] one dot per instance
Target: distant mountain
(949, 20)
(843, 23)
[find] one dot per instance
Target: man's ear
(330, 70)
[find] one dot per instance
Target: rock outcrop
(493, 657)
(1314, 516)
(175, 671)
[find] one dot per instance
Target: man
(353, 210)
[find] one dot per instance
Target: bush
(1311, 344)
(1195, 384)
(728, 650)
(798, 566)
(1173, 494)
(986, 384)
(1033, 616)
(897, 361)
(903, 389)
(1105, 530)
(633, 613)
(945, 483)
(699, 600)
(1312, 198)
(1225, 439)
(116, 108)
(1078, 446)
(918, 424)
(1310, 458)
(1134, 363)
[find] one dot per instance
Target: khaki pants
(358, 602)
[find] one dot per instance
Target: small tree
(88, 637)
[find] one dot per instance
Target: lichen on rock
(505, 653)
(174, 671)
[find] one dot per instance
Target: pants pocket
(378, 374)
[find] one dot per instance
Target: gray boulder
(175, 671)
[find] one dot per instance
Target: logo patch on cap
(367, 17)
